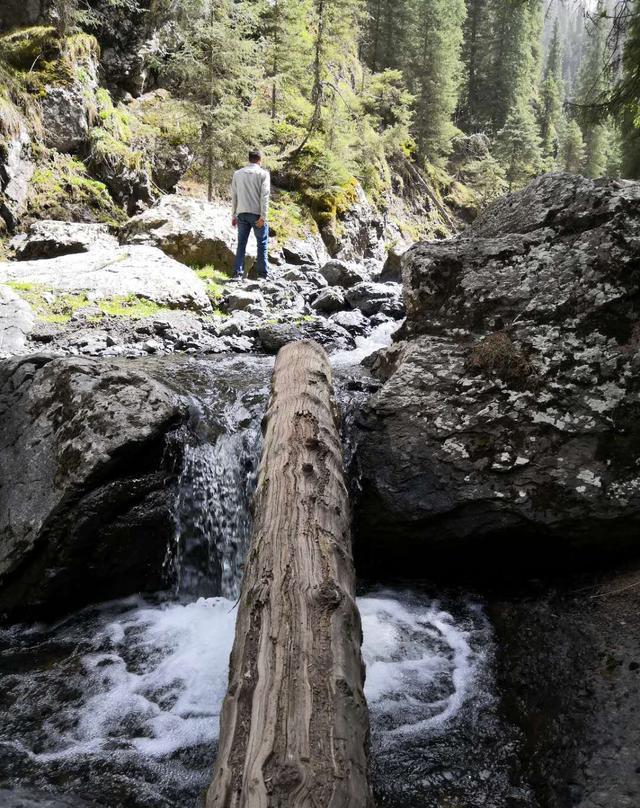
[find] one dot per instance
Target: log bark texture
(294, 725)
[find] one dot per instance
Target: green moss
(59, 307)
(214, 280)
(61, 189)
(169, 121)
(129, 306)
(288, 217)
(57, 310)
(38, 57)
(327, 204)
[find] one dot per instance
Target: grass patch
(214, 280)
(48, 306)
(129, 306)
(58, 307)
(497, 355)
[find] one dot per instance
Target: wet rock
(374, 298)
(191, 230)
(273, 336)
(340, 273)
(509, 425)
(144, 272)
(16, 322)
(86, 483)
(353, 321)
(30, 798)
(392, 269)
(16, 170)
(329, 300)
(49, 239)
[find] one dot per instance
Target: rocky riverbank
(506, 435)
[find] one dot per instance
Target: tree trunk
(294, 726)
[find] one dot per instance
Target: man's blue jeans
(247, 223)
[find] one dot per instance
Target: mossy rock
(62, 189)
(39, 58)
(59, 307)
(289, 218)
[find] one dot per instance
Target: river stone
(340, 273)
(191, 230)
(374, 298)
(87, 485)
(510, 425)
(329, 300)
(49, 239)
(353, 321)
(242, 299)
(16, 322)
(113, 272)
(305, 252)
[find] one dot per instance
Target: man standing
(250, 190)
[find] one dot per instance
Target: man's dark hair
(255, 156)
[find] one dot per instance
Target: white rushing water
(155, 677)
(379, 338)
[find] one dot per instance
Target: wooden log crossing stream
(294, 726)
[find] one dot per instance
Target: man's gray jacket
(250, 190)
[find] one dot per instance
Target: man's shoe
(237, 278)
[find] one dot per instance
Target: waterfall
(213, 520)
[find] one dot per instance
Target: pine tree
(572, 154)
(215, 66)
(551, 117)
(593, 84)
(434, 72)
(288, 49)
(386, 33)
(515, 63)
(476, 56)
(518, 146)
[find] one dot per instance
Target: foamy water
(379, 338)
(156, 680)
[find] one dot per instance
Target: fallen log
(294, 724)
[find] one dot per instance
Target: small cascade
(213, 521)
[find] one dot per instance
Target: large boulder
(50, 239)
(191, 230)
(16, 322)
(87, 485)
(511, 418)
(143, 272)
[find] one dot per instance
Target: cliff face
(510, 418)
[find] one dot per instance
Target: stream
(118, 704)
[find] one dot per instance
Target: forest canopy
(488, 92)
